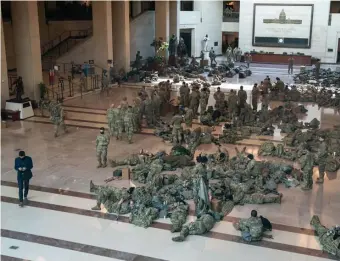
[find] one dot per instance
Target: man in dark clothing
(23, 165)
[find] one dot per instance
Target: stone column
(136, 8)
(4, 77)
(102, 32)
(43, 27)
(121, 34)
(162, 22)
(174, 17)
(27, 46)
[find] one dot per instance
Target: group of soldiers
(215, 183)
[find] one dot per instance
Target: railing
(229, 16)
(73, 34)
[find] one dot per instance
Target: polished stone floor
(59, 225)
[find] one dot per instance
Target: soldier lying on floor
(252, 228)
(200, 226)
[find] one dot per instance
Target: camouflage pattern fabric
(102, 142)
(253, 226)
(326, 237)
(143, 216)
(179, 217)
(188, 117)
(57, 118)
(129, 124)
(199, 227)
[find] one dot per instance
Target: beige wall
(49, 32)
(27, 46)
(4, 79)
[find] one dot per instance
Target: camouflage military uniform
(129, 124)
(132, 160)
(219, 98)
(326, 237)
(322, 161)
(110, 115)
(177, 129)
(119, 124)
(179, 217)
(57, 118)
(102, 143)
(137, 118)
(149, 113)
(204, 101)
(103, 193)
(253, 226)
(201, 226)
(307, 163)
(143, 216)
(156, 103)
(194, 101)
(184, 93)
(189, 115)
(232, 105)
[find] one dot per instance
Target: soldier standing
(137, 114)
(232, 104)
(290, 65)
(194, 100)
(128, 123)
(188, 117)
(184, 93)
(204, 100)
(149, 112)
(219, 98)
(119, 124)
(110, 119)
(254, 96)
(57, 118)
(176, 123)
(307, 163)
(156, 103)
(102, 142)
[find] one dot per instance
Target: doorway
(186, 35)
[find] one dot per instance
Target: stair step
(83, 109)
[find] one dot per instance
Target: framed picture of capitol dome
(283, 25)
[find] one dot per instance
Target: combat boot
(104, 166)
(97, 207)
(92, 187)
(99, 166)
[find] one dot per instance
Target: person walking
(23, 165)
(290, 65)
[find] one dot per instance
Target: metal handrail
(64, 36)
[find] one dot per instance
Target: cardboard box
(125, 174)
(216, 205)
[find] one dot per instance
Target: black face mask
(102, 132)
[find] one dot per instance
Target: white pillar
(27, 46)
(175, 9)
(4, 77)
(121, 34)
(162, 21)
(102, 32)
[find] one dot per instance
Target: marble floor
(59, 224)
(60, 221)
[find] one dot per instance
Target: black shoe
(21, 204)
(26, 201)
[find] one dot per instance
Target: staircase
(61, 45)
